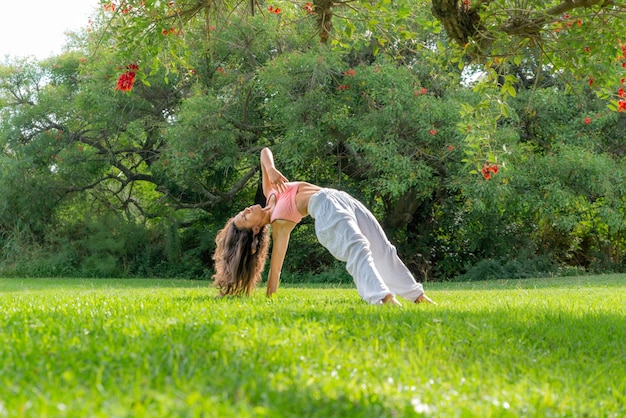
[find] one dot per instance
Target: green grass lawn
(168, 348)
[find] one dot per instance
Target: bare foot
(424, 298)
(390, 299)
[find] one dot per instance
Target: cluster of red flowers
(110, 7)
(347, 73)
(558, 26)
(433, 132)
(621, 103)
(168, 31)
(489, 169)
(308, 7)
(621, 94)
(126, 80)
(274, 10)
(420, 91)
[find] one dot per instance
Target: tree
(574, 40)
(138, 144)
(576, 37)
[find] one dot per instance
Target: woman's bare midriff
(305, 191)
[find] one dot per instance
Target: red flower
(621, 106)
(308, 7)
(343, 87)
(125, 81)
(587, 121)
(349, 72)
(165, 32)
(109, 7)
(221, 70)
(274, 10)
(488, 170)
(421, 91)
(620, 92)
(433, 132)
(590, 81)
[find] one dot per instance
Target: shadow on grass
(280, 358)
(256, 361)
(580, 355)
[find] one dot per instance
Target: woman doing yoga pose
(342, 224)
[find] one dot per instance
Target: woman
(342, 224)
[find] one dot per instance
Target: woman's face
(250, 218)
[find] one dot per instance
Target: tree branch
(463, 23)
(568, 5)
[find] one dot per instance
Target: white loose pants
(352, 234)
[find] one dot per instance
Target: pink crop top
(286, 207)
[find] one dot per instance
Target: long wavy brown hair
(239, 259)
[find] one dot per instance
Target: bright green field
(168, 348)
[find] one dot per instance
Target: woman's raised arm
(272, 178)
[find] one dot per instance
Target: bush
(334, 273)
(519, 268)
(42, 263)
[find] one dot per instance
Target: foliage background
(98, 182)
